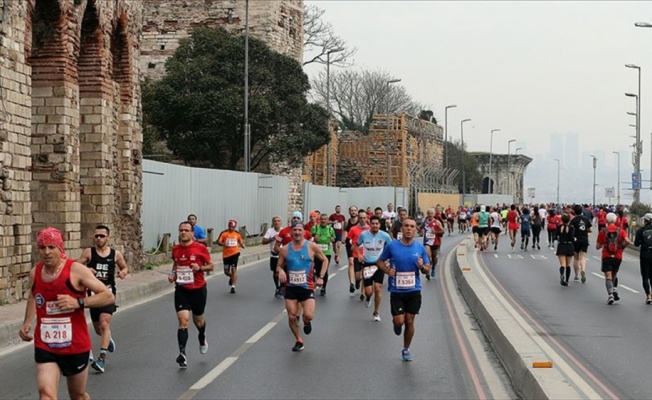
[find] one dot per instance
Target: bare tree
(356, 95)
(320, 41)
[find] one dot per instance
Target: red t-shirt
(512, 216)
(338, 222)
(59, 331)
(183, 257)
(553, 221)
(286, 235)
(602, 239)
(622, 223)
(602, 217)
(354, 234)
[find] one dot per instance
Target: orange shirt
(232, 242)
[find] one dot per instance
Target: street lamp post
(517, 149)
(558, 162)
(647, 25)
(328, 106)
(463, 157)
(509, 172)
(247, 128)
(491, 153)
(595, 164)
(389, 156)
(618, 154)
(446, 133)
(637, 167)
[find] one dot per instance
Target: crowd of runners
(376, 243)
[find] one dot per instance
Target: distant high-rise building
(571, 150)
(556, 146)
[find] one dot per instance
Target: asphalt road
(606, 345)
(346, 356)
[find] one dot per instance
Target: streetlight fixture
(463, 158)
(618, 154)
(558, 163)
(647, 25)
(637, 165)
(517, 149)
(446, 133)
(247, 128)
(509, 172)
(389, 156)
(328, 106)
(491, 153)
(595, 164)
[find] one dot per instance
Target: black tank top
(104, 268)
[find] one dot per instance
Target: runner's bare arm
(122, 265)
(281, 264)
(30, 312)
(82, 278)
(85, 256)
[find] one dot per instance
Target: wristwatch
(80, 301)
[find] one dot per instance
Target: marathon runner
(232, 242)
(337, 221)
(324, 235)
(270, 238)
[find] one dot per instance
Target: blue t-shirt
(526, 222)
(299, 267)
(404, 258)
(372, 245)
(199, 232)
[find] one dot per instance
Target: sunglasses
(100, 236)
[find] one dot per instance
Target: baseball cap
(297, 214)
(648, 217)
(233, 222)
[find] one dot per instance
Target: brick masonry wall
(65, 65)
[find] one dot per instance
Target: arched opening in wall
(46, 54)
(127, 156)
(486, 181)
(95, 146)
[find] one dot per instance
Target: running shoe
(182, 360)
(427, 277)
(538, 247)
(298, 346)
(307, 328)
(377, 317)
(361, 297)
(583, 276)
(648, 299)
(563, 281)
(615, 294)
(111, 347)
(367, 302)
(610, 299)
(407, 356)
(278, 293)
(322, 292)
(203, 348)
(577, 278)
(521, 245)
(232, 290)
(98, 365)
(398, 329)
(357, 284)
(351, 288)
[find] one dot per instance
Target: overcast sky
(529, 68)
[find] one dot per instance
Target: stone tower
(70, 135)
(279, 23)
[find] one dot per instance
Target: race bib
(298, 278)
(323, 247)
(430, 235)
(405, 280)
(399, 236)
(369, 271)
(337, 225)
(231, 242)
(185, 276)
(51, 308)
(56, 332)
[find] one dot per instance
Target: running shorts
(69, 364)
(95, 312)
(495, 230)
(611, 264)
(190, 299)
(581, 244)
(231, 262)
(298, 293)
(405, 303)
(377, 277)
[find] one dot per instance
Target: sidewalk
(134, 288)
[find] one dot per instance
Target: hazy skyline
(531, 69)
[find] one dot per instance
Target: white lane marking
(515, 256)
(214, 373)
(262, 332)
(495, 255)
(538, 257)
(331, 276)
(598, 275)
(628, 288)
(343, 267)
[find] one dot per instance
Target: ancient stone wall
(278, 23)
(70, 134)
(362, 158)
(507, 173)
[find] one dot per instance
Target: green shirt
(324, 234)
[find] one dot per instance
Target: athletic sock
(202, 333)
(568, 271)
(561, 272)
(182, 339)
(610, 286)
(615, 282)
(103, 352)
(276, 281)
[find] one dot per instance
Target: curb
(512, 343)
(9, 330)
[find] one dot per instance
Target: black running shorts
(95, 312)
(298, 293)
(581, 244)
(611, 264)
(377, 277)
(231, 262)
(69, 364)
(190, 299)
(405, 303)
